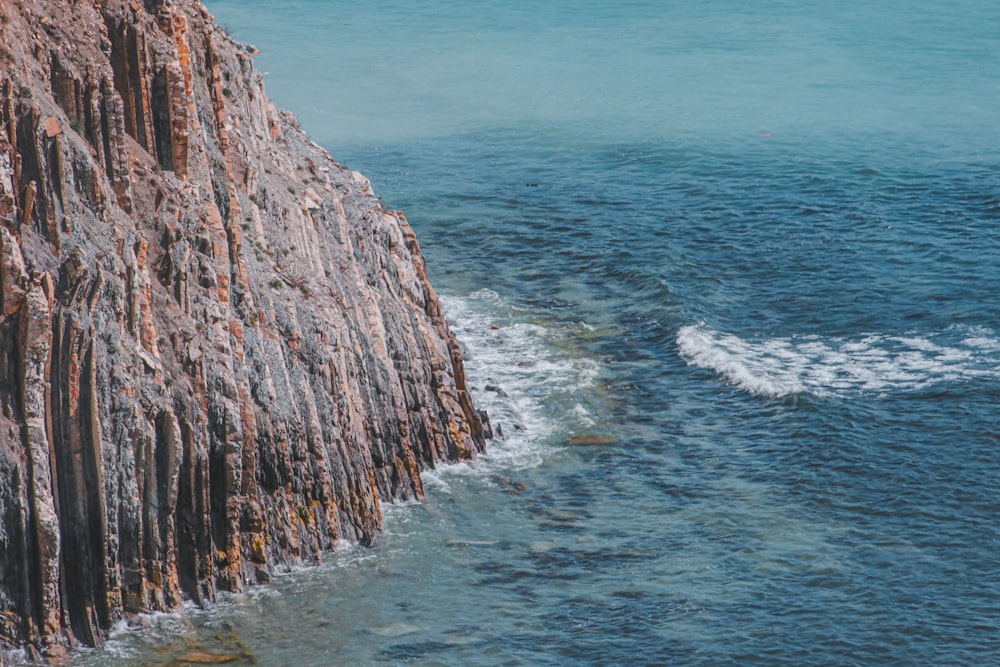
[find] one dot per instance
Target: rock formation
(218, 351)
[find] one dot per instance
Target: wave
(874, 363)
(521, 370)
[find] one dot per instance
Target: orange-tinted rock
(52, 127)
(199, 657)
(590, 440)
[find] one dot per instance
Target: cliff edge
(218, 350)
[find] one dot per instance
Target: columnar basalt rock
(218, 351)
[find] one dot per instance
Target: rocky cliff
(218, 351)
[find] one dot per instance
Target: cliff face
(218, 350)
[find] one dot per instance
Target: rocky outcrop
(218, 351)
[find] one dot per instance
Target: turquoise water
(727, 279)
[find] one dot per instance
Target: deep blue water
(750, 253)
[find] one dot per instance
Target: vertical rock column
(35, 349)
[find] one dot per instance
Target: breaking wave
(821, 366)
(521, 372)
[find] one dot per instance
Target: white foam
(127, 638)
(980, 338)
(874, 363)
(15, 657)
(528, 383)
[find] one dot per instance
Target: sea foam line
(874, 363)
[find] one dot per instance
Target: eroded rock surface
(218, 350)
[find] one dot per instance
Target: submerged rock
(591, 439)
(198, 657)
(218, 351)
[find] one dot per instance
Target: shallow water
(727, 280)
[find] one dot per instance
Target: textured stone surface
(218, 351)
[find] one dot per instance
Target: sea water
(726, 277)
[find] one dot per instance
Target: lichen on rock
(218, 351)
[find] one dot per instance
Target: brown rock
(187, 404)
(13, 278)
(592, 439)
(52, 127)
(198, 657)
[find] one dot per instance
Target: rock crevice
(218, 351)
